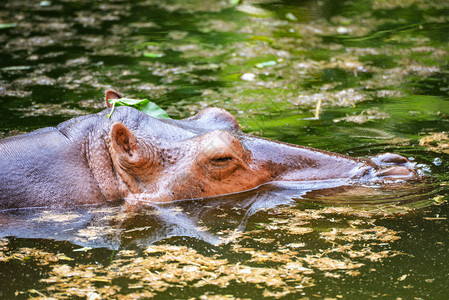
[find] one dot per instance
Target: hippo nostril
(390, 158)
(398, 171)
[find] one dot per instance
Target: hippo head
(201, 163)
(161, 160)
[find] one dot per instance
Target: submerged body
(95, 159)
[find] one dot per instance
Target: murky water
(354, 77)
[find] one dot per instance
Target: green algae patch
(437, 142)
(332, 248)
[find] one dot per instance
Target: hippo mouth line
(370, 178)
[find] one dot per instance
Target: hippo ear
(111, 94)
(124, 144)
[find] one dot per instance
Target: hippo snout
(396, 172)
(390, 158)
(393, 166)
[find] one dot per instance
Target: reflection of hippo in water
(132, 156)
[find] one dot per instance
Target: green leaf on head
(144, 105)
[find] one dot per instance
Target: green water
(354, 77)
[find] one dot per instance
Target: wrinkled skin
(131, 156)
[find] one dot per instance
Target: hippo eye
(222, 160)
(222, 166)
(221, 154)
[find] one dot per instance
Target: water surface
(354, 77)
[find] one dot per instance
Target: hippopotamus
(137, 159)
